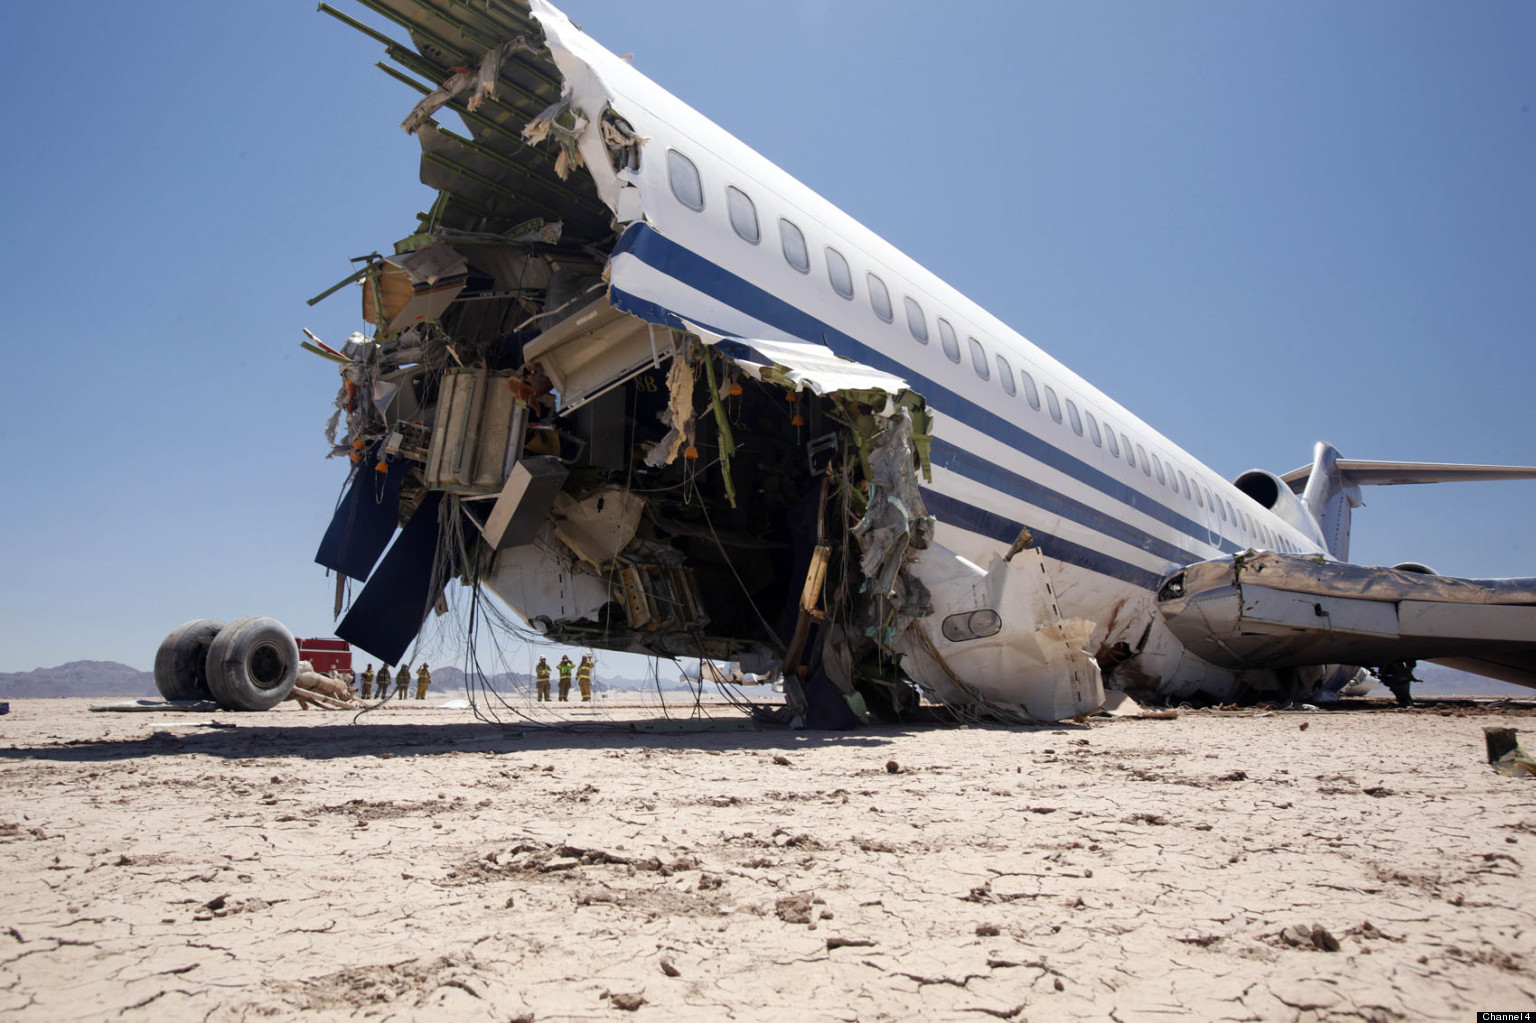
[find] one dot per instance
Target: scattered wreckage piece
(327, 692)
(1506, 755)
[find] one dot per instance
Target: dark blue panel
(364, 520)
(387, 615)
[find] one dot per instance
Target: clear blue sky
(1258, 225)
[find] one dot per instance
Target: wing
(1266, 610)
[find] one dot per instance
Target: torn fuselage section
(621, 476)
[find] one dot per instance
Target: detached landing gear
(249, 664)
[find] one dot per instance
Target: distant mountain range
(78, 678)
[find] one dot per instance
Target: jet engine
(1272, 492)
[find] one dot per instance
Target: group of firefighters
(402, 680)
(583, 678)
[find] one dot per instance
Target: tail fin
(1330, 486)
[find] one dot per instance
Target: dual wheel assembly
(249, 664)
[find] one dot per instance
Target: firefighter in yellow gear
(541, 673)
(584, 678)
(402, 681)
(383, 681)
(565, 667)
(368, 681)
(423, 680)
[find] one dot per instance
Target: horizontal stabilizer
(1386, 474)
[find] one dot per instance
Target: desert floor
(418, 862)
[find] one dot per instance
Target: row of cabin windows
(688, 188)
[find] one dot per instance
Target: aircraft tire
(253, 664)
(181, 663)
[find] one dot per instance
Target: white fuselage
(1113, 504)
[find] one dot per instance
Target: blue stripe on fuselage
(1004, 530)
(693, 270)
(1004, 481)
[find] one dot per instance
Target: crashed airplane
(658, 396)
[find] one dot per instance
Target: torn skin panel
(583, 67)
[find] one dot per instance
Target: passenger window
(979, 359)
(1221, 511)
(1157, 467)
(917, 323)
(684, 177)
(1053, 403)
(1005, 376)
(1032, 395)
(743, 214)
(1109, 436)
(1231, 514)
(1093, 429)
(839, 274)
(950, 342)
(795, 252)
(1184, 482)
(1141, 453)
(1077, 420)
(1198, 499)
(879, 298)
(1130, 455)
(1210, 502)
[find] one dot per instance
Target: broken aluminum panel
(807, 365)
(997, 642)
(1269, 610)
(400, 304)
(548, 580)
(524, 503)
(474, 439)
(600, 526)
(596, 349)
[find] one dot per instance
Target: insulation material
(896, 518)
(565, 126)
(437, 98)
(679, 414)
(482, 80)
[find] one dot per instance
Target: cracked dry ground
(1290, 866)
